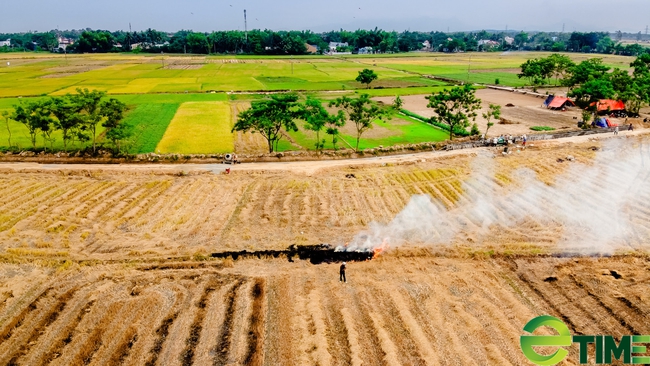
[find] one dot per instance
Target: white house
(64, 42)
(335, 45)
(6, 43)
(365, 50)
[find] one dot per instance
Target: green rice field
(156, 88)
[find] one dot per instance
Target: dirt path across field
(306, 167)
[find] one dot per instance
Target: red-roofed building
(560, 102)
(608, 105)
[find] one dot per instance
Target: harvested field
(114, 267)
(405, 308)
(131, 214)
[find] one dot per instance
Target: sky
(416, 15)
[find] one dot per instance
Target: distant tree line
(268, 42)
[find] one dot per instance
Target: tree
(562, 64)
(269, 116)
(585, 71)
(361, 111)
(317, 117)
(398, 103)
(494, 111)
(7, 116)
(521, 39)
(592, 91)
(112, 113)
(36, 116)
(88, 102)
(68, 118)
(586, 117)
(454, 107)
(537, 71)
(366, 76)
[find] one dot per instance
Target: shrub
(542, 128)
(496, 81)
(475, 131)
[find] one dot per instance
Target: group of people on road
(505, 140)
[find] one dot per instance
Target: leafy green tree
(398, 103)
(89, 102)
(520, 39)
(36, 116)
(317, 117)
(268, 117)
(561, 65)
(366, 76)
(333, 126)
(112, 114)
(91, 41)
(361, 111)
(592, 91)
(537, 71)
(7, 116)
(493, 112)
(454, 107)
(585, 71)
(68, 118)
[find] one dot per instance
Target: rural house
(365, 50)
(6, 43)
(335, 45)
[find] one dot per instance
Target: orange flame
(380, 249)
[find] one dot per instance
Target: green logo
(562, 340)
(606, 349)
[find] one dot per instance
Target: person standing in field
(524, 138)
(342, 273)
(616, 130)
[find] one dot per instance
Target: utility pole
(469, 65)
(162, 58)
(245, 27)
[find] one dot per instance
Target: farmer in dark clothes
(342, 273)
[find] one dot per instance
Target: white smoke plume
(598, 207)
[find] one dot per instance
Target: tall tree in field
(398, 103)
(494, 111)
(317, 117)
(268, 117)
(562, 64)
(112, 113)
(36, 116)
(366, 76)
(333, 126)
(7, 116)
(454, 107)
(68, 118)
(89, 101)
(361, 111)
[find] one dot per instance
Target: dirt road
(306, 167)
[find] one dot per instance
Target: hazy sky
(208, 15)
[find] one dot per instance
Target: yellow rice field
(199, 128)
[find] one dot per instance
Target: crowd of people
(504, 140)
